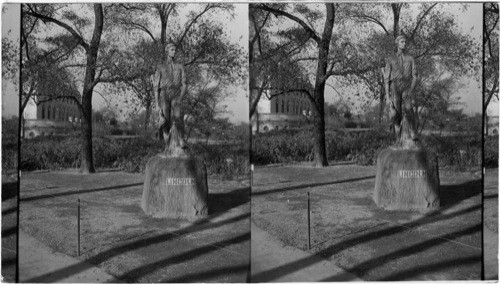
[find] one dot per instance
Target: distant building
(281, 111)
(44, 116)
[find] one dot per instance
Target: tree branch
(77, 36)
(373, 20)
(419, 21)
(193, 21)
(306, 27)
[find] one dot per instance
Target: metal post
(251, 175)
(308, 222)
(78, 225)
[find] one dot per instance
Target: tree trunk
(485, 131)
(148, 112)
(87, 165)
(320, 159)
(383, 96)
(396, 11)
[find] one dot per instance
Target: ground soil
(350, 230)
(119, 238)
(490, 224)
(9, 226)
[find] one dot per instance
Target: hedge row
(129, 155)
(279, 147)
(361, 148)
(491, 151)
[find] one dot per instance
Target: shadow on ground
(134, 247)
(372, 243)
(77, 192)
(9, 227)
(224, 201)
(490, 224)
(9, 190)
(455, 193)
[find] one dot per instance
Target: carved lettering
(180, 181)
(412, 173)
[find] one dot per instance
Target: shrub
(9, 157)
(129, 155)
(463, 152)
(491, 151)
(362, 148)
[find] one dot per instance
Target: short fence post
(78, 225)
(251, 175)
(308, 222)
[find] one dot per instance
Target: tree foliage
(490, 45)
(346, 45)
(115, 48)
(211, 59)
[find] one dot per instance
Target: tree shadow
(51, 195)
(9, 190)
(491, 196)
(455, 193)
(9, 269)
(362, 268)
(420, 269)
(431, 217)
(135, 274)
(200, 225)
(302, 186)
(9, 211)
(9, 232)
(203, 276)
(222, 202)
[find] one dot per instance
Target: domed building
(48, 116)
(282, 111)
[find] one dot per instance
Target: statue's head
(401, 41)
(170, 50)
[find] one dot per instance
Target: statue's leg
(396, 110)
(178, 120)
(167, 117)
(410, 115)
(161, 118)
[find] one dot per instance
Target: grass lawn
(118, 237)
(350, 230)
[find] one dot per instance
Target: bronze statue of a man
(400, 77)
(169, 82)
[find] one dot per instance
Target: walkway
(273, 261)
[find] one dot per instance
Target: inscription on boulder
(412, 173)
(181, 181)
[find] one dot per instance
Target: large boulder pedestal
(406, 180)
(175, 187)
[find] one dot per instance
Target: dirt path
(273, 261)
(351, 231)
(39, 263)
